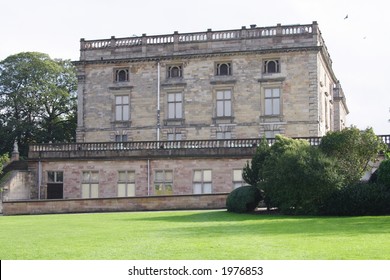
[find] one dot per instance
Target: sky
(358, 45)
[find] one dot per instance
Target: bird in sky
(346, 17)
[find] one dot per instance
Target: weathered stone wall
(182, 168)
(154, 203)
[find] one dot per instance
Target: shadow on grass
(232, 223)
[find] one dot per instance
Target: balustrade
(253, 32)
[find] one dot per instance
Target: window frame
(123, 107)
(220, 68)
(164, 186)
(267, 63)
(177, 106)
(269, 102)
(171, 70)
(90, 183)
(226, 103)
(202, 182)
(129, 184)
(117, 75)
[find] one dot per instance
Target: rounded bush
(383, 171)
(243, 199)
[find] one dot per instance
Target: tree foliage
(3, 160)
(243, 199)
(252, 172)
(353, 149)
(298, 177)
(37, 100)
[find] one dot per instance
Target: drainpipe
(148, 170)
(39, 178)
(158, 100)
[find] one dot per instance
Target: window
(126, 183)
(223, 69)
(224, 135)
(163, 182)
(122, 108)
(237, 178)
(90, 184)
(272, 101)
(175, 71)
(224, 103)
(271, 66)
(175, 106)
(55, 176)
(202, 181)
(121, 138)
(174, 136)
(122, 75)
(271, 133)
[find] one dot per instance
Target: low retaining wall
(119, 204)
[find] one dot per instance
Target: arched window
(174, 71)
(223, 69)
(271, 66)
(122, 75)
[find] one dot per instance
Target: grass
(193, 235)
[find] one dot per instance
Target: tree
(252, 172)
(3, 159)
(353, 149)
(37, 100)
(298, 178)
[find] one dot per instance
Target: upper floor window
(223, 69)
(272, 101)
(121, 138)
(175, 105)
(271, 66)
(174, 136)
(175, 71)
(122, 108)
(224, 135)
(122, 75)
(224, 103)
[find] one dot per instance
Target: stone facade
(301, 73)
(181, 114)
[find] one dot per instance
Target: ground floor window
(55, 185)
(126, 183)
(202, 182)
(237, 178)
(90, 184)
(163, 182)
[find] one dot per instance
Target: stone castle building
(181, 114)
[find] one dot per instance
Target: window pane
(197, 188)
(160, 176)
(86, 176)
(168, 176)
(121, 190)
(220, 95)
(118, 113)
(60, 177)
(94, 190)
(178, 97)
(219, 108)
(207, 188)
(171, 110)
(237, 175)
(276, 106)
(131, 176)
(122, 176)
(171, 97)
(228, 108)
(198, 176)
(207, 176)
(178, 110)
(94, 176)
(118, 100)
(168, 189)
(228, 94)
(125, 99)
(276, 92)
(131, 190)
(50, 177)
(126, 114)
(268, 93)
(85, 190)
(268, 106)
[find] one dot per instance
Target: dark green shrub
(359, 200)
(299, 178)
(383, 173)
(243, 199)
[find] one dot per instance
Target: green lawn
(193, 235)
